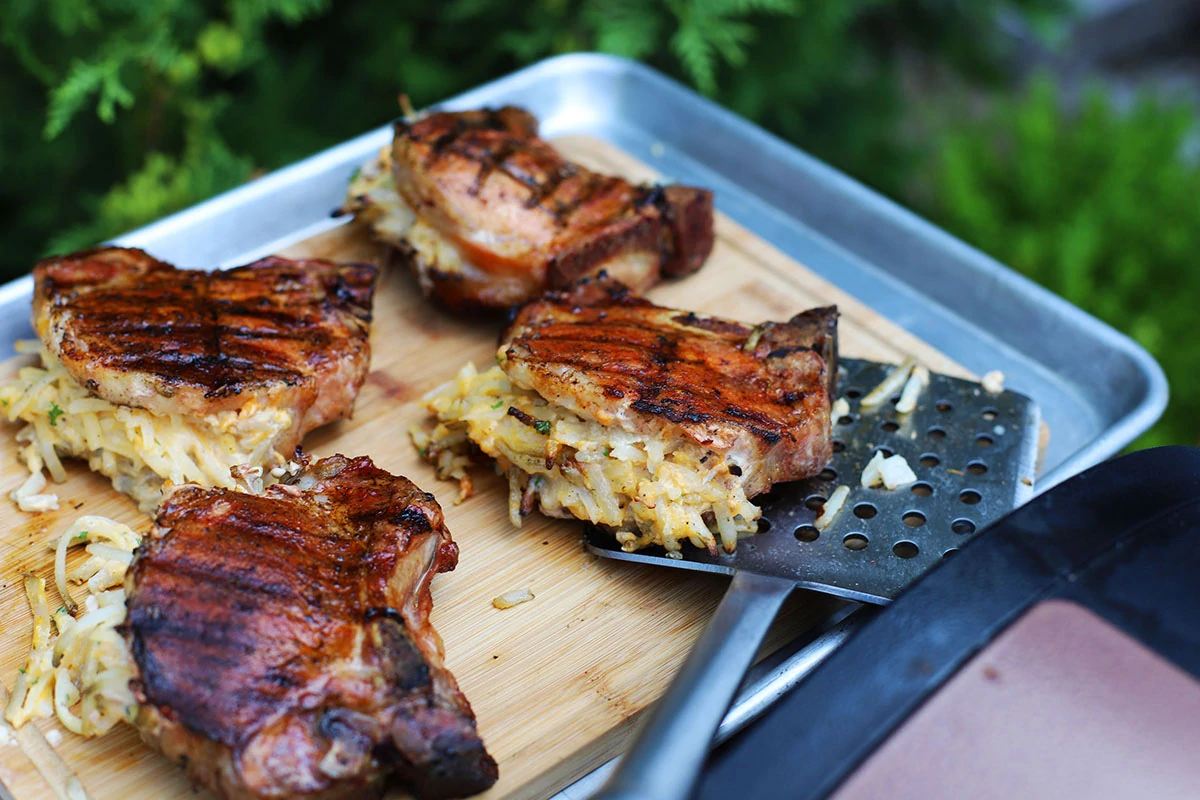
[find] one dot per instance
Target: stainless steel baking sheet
(1096, 388)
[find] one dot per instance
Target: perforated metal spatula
(974, 455)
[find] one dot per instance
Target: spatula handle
(669, 751)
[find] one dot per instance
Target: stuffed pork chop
(282, 645)
(488, 214)
(656, 423)
(153, 373)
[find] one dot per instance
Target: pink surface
(1061, 705)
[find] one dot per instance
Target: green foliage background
(116, 112)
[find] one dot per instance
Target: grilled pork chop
(282, 643)
(759, 396)
(139, 332)
(655, 423)
(489, 214)
(155, 374)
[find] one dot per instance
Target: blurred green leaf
(220, 46)
(1099, 204)
(70, 97)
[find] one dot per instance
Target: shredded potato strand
(832, 507)
(916, 384)
(512, 598)
(889, 386)
(136, 448)
(78, 667)
(652, 492)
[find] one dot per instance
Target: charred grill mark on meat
(541, 175)
(148, 335)
(549, 186)
(282, 642)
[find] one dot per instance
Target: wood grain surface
(557, 682)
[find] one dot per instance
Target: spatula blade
(974, 454)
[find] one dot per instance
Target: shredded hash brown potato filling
(137, 449)
(78, 667)
(373, 198)
(650, 491)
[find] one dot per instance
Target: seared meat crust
(760, 396)
(282, 642)
(139, 332)
(524, 219)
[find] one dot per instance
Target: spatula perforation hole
(855, 541)
(889, 426)
(922, 489)
(984, 440)
(865, 511)
(962, 526)
(930, 460)
(952, 551)
(807, 533)
(990, 414)
(815, 502)
(764, 525)
(977, 467)
(937, 433)
(944, 407)
(838, 445)
(852, 394)
(913, 519)
(970, 497)
(906, 549)
(827, 474)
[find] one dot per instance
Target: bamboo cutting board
(556, 682)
